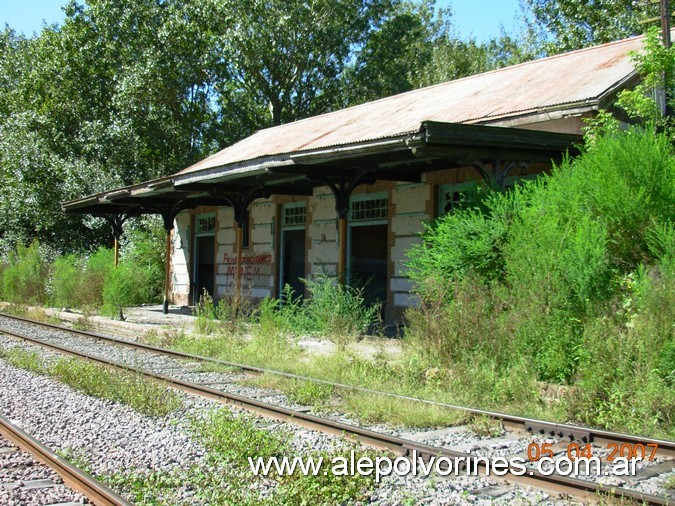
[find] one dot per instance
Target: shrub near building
(88, 282)
(568, 279)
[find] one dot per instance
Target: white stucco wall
(257, 269)
(180, 255)
(410, 204)
(322, 229)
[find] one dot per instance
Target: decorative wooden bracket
(496, 176)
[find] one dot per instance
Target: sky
(478, 18)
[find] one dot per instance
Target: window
(294, 214)
(369, 208)
(205, 223)
(452, 196)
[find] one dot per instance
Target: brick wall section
(226, 239)
(261, 273)
(410, 203)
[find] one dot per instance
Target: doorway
(205, 265)
(293, 261)
(368, 246)
(369, 261)
(292, 254)
(204, 268)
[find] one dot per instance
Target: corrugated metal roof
(582, 76)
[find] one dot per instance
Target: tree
(287, 56)
(395, 56)
(121, 92)
(417, 46)
(565, 25)
(129, 90)
(646, 102)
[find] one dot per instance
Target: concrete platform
(143, 320)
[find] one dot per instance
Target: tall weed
(66, 281)
(25, 274)
(338, 311)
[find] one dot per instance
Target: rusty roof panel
(582, 76)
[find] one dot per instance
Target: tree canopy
(565, 25)
(128, 90)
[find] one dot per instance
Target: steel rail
(553, 483)
(75, 478)
(530, 425)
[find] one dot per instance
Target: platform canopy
(403, 157)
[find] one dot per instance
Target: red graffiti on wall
(265, 258)
(248, 272)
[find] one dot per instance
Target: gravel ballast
(156, 446)
(112, 438)
(26, 482)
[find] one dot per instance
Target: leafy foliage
(560, 272)
(573, 24)
(124, 91)
(89, 282)
(24, 275)
(337, 310)
(656, 66)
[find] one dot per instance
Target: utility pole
(664, 17)
(664, 8)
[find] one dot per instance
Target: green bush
(145, 250)
(627, 377)
(97, 269)
(24, 275)
(86, 282)
(127, 285)
(569, 278)
(66, 281)
(3, 266)
(463, 242)
(93, 283)
(337, 311)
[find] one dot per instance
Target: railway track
(97, 348)
(77, 480)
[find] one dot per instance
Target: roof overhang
(403, 157)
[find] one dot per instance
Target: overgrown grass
(302, 392)
(386, 410)
(334, 311)
(567, 280)
(485, 426)
(31, 312)
(406, 376)
(145, 396)
(23, 359)
(87, 281)
(23, 275)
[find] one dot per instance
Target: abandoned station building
(346, 193)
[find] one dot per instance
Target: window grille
(450, 200)
(206, 224)
(372, 209)
(294, 215)
(453, 196)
